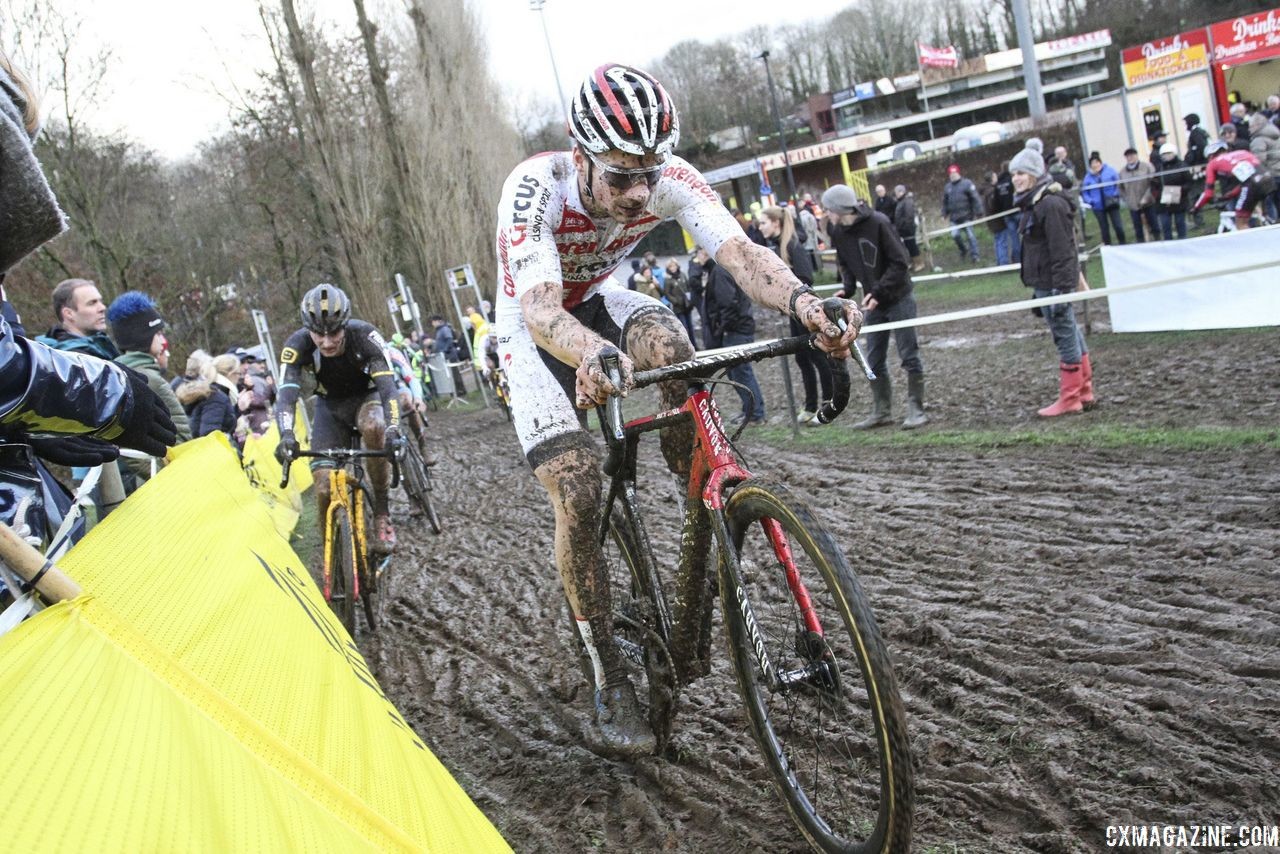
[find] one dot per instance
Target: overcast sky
(173, 57)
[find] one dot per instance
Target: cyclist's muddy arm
(560, 334)
(767, 280)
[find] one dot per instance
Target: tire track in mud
(1082, 638)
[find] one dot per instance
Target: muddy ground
(1086, 633)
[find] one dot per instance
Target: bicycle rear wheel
(824, 707)
(417, 483)
(343, 570)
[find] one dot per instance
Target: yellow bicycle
(351, 570)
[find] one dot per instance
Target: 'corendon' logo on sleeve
(508, 284)
(694, 180)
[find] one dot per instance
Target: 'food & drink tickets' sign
(1167, 57)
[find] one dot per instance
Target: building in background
(980, 89)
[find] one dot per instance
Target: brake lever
(834, 309)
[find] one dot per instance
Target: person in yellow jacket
(484, 345)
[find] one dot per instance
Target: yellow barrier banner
(201, 696)
(264, 472)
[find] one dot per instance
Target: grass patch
(1091, 436)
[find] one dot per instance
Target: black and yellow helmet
(325, 308)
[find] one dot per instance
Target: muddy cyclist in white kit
(566, 221)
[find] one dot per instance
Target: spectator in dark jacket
(1230, 134)
(885, 203)
(869, 252)
(729, 318)
(697, 286)
(1197, 141)
(961, 204)
(1008, 244)
(904, 221)
(778, 228)
(208, 408)
(1050, 266)
(675, 288)
(1171, 188)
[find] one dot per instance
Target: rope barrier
(1077, 296)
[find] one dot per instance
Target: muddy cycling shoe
(384, 543)
(621, 722)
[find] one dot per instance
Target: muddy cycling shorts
(543, 387)
(336, 422)
(1251, 192)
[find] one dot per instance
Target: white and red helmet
(620, 108)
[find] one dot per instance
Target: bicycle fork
(340, 497)
(819, 670)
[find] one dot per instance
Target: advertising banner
(1167, 57)
(1248, 38)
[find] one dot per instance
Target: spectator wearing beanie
(870, 252)
(137, 329)
(1050, 266)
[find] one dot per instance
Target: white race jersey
(545, 234)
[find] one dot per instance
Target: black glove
(146, 422)
(392, 436)
(73, 450)
(287, 448)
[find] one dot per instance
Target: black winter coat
(1197, 141)
(728, 308)
(1179, 177)
(1047, 227)
(904, 215)
(208, 407)
(801, 262)
(871, 253)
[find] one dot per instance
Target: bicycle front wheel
(343, 570)
(818, 683)
(417, 483)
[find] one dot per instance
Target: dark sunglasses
(625, 179)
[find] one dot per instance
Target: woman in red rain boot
(1050, 267)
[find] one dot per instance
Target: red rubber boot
(1071, 379)
(1086, 384)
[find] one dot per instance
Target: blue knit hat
(134, 321)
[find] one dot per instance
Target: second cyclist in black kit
(355, 392)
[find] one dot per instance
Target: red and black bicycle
(817, 681)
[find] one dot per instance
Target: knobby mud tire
(836, 742)
(342, 597)
(417, 484)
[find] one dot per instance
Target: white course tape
(1026, 304)
(1076, 296)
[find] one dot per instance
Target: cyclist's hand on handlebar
(830, 339)
(593, 386)
(287, 448)
(393, 438)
